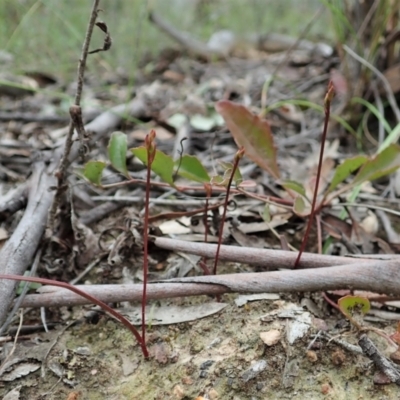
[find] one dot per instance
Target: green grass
(47, 35)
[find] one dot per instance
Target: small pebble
(312, 356)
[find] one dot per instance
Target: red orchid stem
(92, 299)
(238, 156)
(151, 150)
(328, 99)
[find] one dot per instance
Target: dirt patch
(218, 357)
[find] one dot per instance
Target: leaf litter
(207, 349)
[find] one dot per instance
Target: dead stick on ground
(377, 276)
(380, 361)
(271, 259)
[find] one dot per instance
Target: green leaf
(228, 167)
(219, 180)
(31, 285)
(162, 165)
(191, 168)
(266, 215)
(93, 171)
(345, 169)
(251, 132)
(301, 207)
(117, 148)
(382, 164)
(295, 186)
(349, 305)
(393, 137)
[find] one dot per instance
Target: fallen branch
(267, 258)
(372, 275)
(19, 250)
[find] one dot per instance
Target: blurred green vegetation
(47, 35)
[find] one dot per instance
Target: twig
(380, 361)
(4, 364)
(87, 269)
(29, 117)
(14, 201)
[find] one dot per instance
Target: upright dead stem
(238, 156)
(327, 104)
(76, 117)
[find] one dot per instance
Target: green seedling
(354, 308)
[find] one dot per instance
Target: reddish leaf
(251, 132)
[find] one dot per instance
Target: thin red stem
(221, 230)
(92, 299)
(146, 246)
(321, 159)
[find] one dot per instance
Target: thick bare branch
(268, 258)
(377, 276)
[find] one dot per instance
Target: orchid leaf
(251, 132)
(301, 207)
(162, 165)
(344, 170)
(93, 171)
(117, 148)
(294, 186)
(384, 163)
(191, 168)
